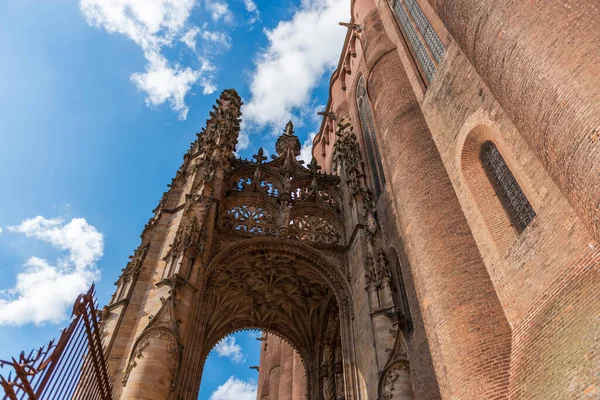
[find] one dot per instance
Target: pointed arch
(502, 204)
(281, 286)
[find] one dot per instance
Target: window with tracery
(368, 129)
(303, 192)
(244, 182)
(248, 218)
(314, 229)
(508, 190)
(424, 42)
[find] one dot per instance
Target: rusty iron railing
(72, 368)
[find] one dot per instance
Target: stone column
(151, 369)
(286, 371)
(299, 387)
(274, 366)
(462, 315)
(263, 385)
(541, 60)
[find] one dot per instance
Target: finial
(354, 27)
(259, 157)
(289, 128)
(288, 143)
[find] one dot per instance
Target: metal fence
(72, 368)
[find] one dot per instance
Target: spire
(289, 128)
(223, 126)
(288, 143)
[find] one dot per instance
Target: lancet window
(424, 42)
(508, 190)
(368, 129)
(406, 322)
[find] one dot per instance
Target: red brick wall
(546, 279)
(540, 61)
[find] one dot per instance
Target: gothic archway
(247, 244)
(285, 287)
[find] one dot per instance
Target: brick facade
(514, 81)
(397, 271)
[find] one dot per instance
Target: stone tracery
(288, 187)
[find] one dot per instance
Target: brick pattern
(532, 95)
(457, 291)
(555, 349)
(488, 203)
(540, 61)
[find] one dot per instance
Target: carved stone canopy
(282, 197)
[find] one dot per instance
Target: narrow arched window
(424, 43)
(401, 299)
(507, 189)
(368, 129)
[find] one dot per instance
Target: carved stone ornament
(282, 198)
(346, 150)
(390, 378)
(377, 270)
(171, 349)
(134, 266)
(163, 327)
(339, 386)
(299, 251)
(184, 239)
(396, 365)
(328, 391)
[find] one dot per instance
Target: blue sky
(99, 100)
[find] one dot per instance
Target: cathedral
(441, 244)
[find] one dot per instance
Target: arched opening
(253, 365)
(498, 196)
(288, 289)
(507, 189)
(228, 368)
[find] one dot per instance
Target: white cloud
(243, 141)
(44, 292)
(219, 10)
(0, 230)
(218, 38)
(163, 83)
(230, 349)
(235, 389)
(300, 51)
(153, 24)
(213, 40)
(306, 150)
(251, 7)
(189, 38)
